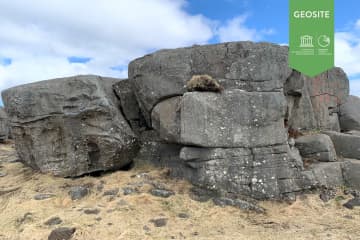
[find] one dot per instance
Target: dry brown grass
(203, 83)
(307, 218)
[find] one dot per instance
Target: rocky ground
(134, 205)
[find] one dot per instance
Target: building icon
(306, 41)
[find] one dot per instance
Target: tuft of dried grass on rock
(203, 83)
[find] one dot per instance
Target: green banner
(311, 44)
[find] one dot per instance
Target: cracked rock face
(238, 65)
(70, 126)
(236, 141)
(262, 173)
(4, 125)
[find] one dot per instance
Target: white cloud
(39, 35)
(358, 24)
(347, 52)
(355, 87)
(236, 30)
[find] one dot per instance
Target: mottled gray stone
(92, 211)
(318, 147)
(161, 193)
(233, 119)
(43, 196)
(350, 114)
(165, 119)
(159, 222)
(111, 192)
(355, 202)
(313, 103)
(78, 192)
(351, 173)
(261, 173)
(239, 203)
(53, 221)
(346, 145)
(328, 174)
(129, 105)
(70, 126)
(4, 125)
(63, 233)
(237, 65)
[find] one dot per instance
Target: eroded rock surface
(350, 114)
(70, 126)
(4, 125)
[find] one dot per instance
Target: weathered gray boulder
(346, 145)
(253, 67)
(238, 65)
(318, 147)
(314, 102)
(351, 173)
(4, 125)
(233, 119)
(327, 174)
(262, 173)
(238, 136)
(70, 126)
(129, 105)
(166, 119)
(350, 114)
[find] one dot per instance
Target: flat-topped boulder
(253, 67)
(233, 119)
(238, 65)
(346, 145)
(316, 147)
(70, 126)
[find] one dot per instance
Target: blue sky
(47, 39)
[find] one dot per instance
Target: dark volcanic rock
(355, 202)
(62, 233)
(183, 215)
(161, 193)
(53, 221)
(92, 211)
(111, 192)
(43, 196)
(326, 194)
(239, 203)
(159, 222)
(130, 190)
(70, 126)
(78, 192)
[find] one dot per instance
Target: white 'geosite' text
(312, 14)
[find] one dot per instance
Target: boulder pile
(253, 127)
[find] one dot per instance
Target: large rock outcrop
(236, 140)
(70, 126)
(233, 141)
(4, 125)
